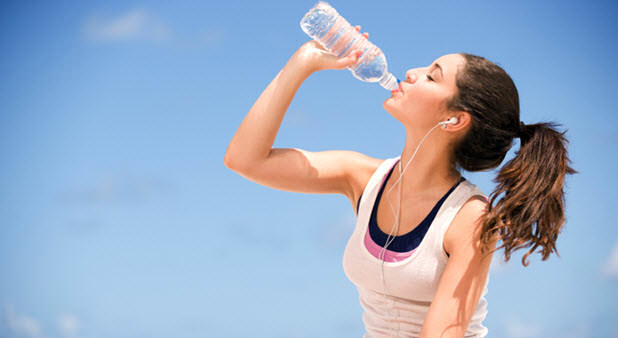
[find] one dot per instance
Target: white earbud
(452, 120)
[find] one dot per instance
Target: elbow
(227, 161)
(240, 163)
(230, 162)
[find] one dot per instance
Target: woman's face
(421, 100)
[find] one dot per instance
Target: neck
(431, 167)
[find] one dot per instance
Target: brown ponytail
(527, 207)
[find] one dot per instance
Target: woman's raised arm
(250, 152)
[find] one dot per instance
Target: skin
(419, 106)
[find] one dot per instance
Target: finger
(358, 27)
(366, 35)
(351, 59)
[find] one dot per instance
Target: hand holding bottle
(312, 57)
(325, 25)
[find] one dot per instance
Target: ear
(463, 121)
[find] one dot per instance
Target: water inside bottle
(335, 34)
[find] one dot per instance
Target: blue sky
(119, 218)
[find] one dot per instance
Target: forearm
(254, 138)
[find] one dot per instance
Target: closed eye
(430, 78)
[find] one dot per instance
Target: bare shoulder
(466, 226)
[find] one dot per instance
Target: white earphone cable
(395, 226)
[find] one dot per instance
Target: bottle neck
(388, 81)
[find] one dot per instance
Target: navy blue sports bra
(409, 241)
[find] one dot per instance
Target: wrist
(300, 63)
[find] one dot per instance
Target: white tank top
(410, 283)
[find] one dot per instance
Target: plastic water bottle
(335, 34)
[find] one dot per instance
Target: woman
(424, 239)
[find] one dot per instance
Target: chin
(394, 112)
(388, 105)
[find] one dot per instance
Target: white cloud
(68, 325)
(610, 267)
(517, 329)
(136, 24)
(20, 324)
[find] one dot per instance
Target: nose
(411, 77)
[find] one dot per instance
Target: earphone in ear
(452, 120)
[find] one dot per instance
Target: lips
(398, 90)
